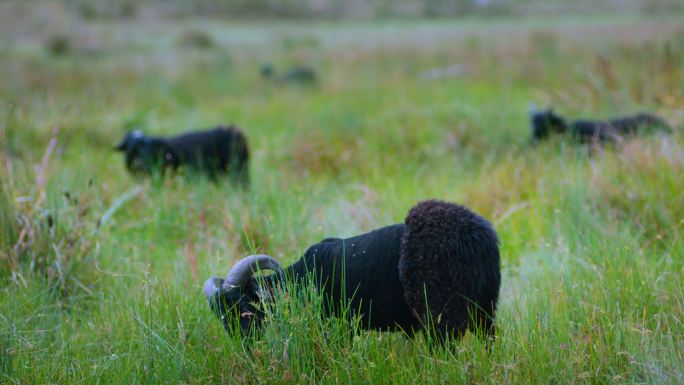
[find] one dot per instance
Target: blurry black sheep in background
(547, 122)
(438, 269)
(300, 74)
(221, 151)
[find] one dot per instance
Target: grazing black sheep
(547, 122)
(220, 151)
(300, 74)
(440, 268)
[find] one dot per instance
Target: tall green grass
(101, 273)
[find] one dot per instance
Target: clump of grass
(46, 236)
(641, 184)
(5, 357)
(128, 9)
(509, 185)
(113, 10)
(87, 11)
(544, 44)
(609, 81)
(58, 45)
(320, 154)
(195, 38)
(661, 7)
(9, 232)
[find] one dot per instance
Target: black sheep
(299, 74)
(442, 253)
(219, 151)
(547, 122)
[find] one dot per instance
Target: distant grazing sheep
(215, 152)
(547, 122)
(440, 268)
(300, 74)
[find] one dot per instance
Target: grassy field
(101, 274)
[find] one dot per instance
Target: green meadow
(101, 273)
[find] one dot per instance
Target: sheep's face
(144, 154)
(130, 141)
(136, 149)
(235, 306)
(546, 122)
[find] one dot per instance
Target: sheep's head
(143, 154)
(546, 122)
(130, 141)
(135, 146)
(237, 297)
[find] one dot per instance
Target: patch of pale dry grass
(641, 183)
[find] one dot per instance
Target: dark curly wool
(216, 152)
(443, 252)
(449, 267)
(547, 122)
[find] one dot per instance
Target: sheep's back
(214, 149)
(362, 271)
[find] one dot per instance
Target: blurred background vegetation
(340, 10)
(101, 273)
(360, 9)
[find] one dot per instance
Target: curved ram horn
(247, 266)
